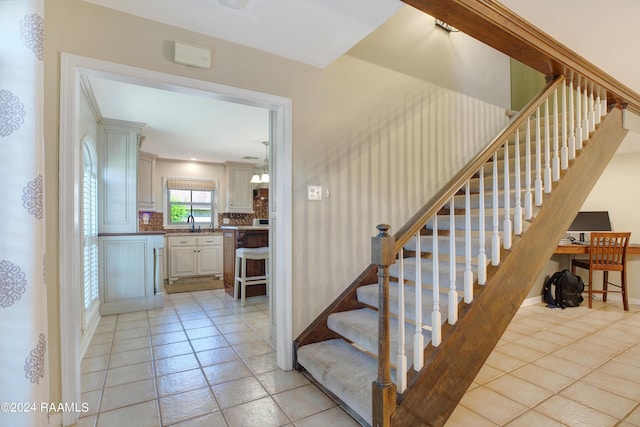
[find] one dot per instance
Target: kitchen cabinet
(194, 255)
(117, 176)
(146, 181)
(130, 272)
(239, 192)
(235, 237)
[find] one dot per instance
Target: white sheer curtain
(24, 385)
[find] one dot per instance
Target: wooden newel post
(383, 390)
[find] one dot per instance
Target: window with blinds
(190, 201)
(89, 229)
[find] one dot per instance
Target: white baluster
(585, 115)
(453, 295)
(468, 272)
(507, 226)
(495, 237)
(436, 336)
(564, 155)
(598, 110)
(517, 212)
(592, 113)
(418, 338)
(528, 195)
(401, 359)
(579, 130)
(482, 256)
(547, 149)
(603, 109)
(538, 182)
(555, 165)
(572, 124)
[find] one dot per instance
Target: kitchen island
(235, 237)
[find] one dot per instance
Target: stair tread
(344, 370)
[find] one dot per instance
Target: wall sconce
(448, 28)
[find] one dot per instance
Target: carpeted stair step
(361, 327)
(344, 370)
(426, 269)
(369, 295)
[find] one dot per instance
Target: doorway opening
(73, 67)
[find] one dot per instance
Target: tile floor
(204, 361)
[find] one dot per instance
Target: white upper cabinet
(117, 176)
(146, 181)
(240, 193)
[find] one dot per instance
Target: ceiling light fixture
(264, 178)
(447, 27)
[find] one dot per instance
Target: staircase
(445, 287)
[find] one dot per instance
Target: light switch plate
(314, 192)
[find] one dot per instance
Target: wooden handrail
(494, 25)
(448, 190)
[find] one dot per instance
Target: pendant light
(264, 178)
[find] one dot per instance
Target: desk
(633, 249)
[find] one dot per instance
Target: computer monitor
(588, 221)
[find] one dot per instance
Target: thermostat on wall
(194, 56)
(314, 192)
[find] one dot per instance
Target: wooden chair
(607, 252)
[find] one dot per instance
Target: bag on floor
(563, 289)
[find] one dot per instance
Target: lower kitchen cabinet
(130, 267)
(194, 255)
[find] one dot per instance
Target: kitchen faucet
(191, 219)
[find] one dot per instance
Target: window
(89, 231)
(190, 199)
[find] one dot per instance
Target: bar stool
(242, 255)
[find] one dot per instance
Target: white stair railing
(571, 116)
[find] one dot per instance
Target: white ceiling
(317, 32)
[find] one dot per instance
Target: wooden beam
(495, 25)
(452, 367)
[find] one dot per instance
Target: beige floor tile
(619, 386)
(253, 349)
(131, 344)
(128, 394)
(168, 338)
(129, 373)
(233, 327)
(503, 362)
(487, 373)
(492, 406)
(183, 406)
(131, 324)
(130, 357)
(214, 419)
(562, 366)
(165, 328)
(521, 352)
(519, 390)
(98, 350)
(144, 414)
(261, 364)
(303, 402)
(238, 391)
(580, 357)
(214, 312)
(196, 314)
(464, 417)
(541, 377)
(181, 382)
(258, 413)
(227, 371)
(278, 381)
(92, 364)
(218, 355)
(170, 350)
(243, 337)
(171, 365)
(209, 343)
(131, 333)
(539, 345)
(197, 323)
(534, 418)
(602, 400)
(209, 331)
(573, 413)
(634, 417)
(331, 417)
(621, 370)
(92, 381)
(133, 316)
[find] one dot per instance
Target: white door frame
(71, 69)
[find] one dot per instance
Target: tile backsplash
(155, 222)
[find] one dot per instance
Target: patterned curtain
(24, 385)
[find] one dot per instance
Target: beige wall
(350, 122)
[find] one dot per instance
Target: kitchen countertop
(137, 233)
(195, 233)
(246, 227)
